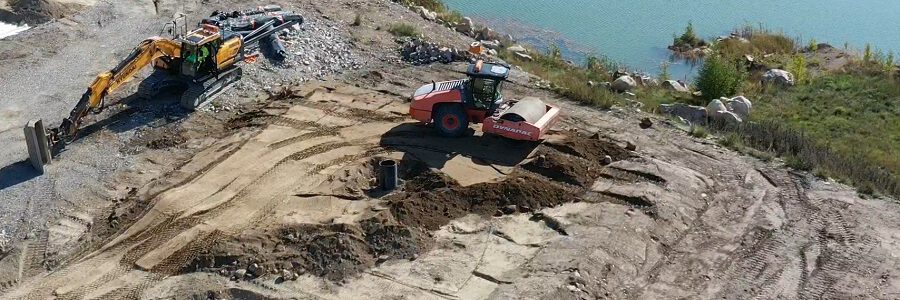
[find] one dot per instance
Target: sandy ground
(275, 197)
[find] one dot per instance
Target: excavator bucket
(526, 120)
(38, 144)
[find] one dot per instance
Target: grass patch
(403, 29)
(698, 131)
(570, 81)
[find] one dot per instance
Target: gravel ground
(44, 80)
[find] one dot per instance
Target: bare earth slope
(274, 197)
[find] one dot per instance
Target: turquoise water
(636, 32)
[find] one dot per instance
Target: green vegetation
(445, 14)
(759, 42)
(688, 40)
(566, 79)
(718, 78)
(698, 131)
(799, 68)
(403, 29)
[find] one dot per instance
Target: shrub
(867, 54)
(698, 131)
(718, 78)
(813, 46)
(403, 29)
(798, 68)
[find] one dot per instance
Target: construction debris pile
(421, 52)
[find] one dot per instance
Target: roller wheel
(451, 120)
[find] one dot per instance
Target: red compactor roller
(452, 105)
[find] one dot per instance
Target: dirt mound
(592, 149)
(333, 251)
(564, 168)
(39, 11)
(431, 208)
(431, 201)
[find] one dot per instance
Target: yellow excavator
(202, 63)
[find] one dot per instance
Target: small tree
(664, 71)
(688, 38)
(718, 78)
(867, 55)
(798, 68)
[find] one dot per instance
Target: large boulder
(623, 84)
(691, 114)
(779, 77)
(467, 26)
(677, 86)
(718, 112)
(739, 105)
(425, 13)
(488, 34)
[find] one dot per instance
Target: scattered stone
(677, 86)
(691, 114)
(517, 49)
(487, 34)
(509, 209)
(524, 56)
(779, 77)
(630, 146)
(288, 275)
(467, 26)
(606, 160)
(646, 123)
(420, 52)
(425, 13)
(240, 273)
(491, 44)
(623, 83)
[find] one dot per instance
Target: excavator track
(199, 94)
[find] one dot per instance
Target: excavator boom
(145, 53)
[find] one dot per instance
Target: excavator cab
(199, 49)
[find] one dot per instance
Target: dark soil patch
(433, 208)
(167, 141)
(334, 251)
(592, 149)
(250, 119)
(564, 168)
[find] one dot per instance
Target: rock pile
(730, 111)
(420, 52)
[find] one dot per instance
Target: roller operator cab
(451, 105)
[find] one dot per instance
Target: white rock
(677, 86)
(623, 83)
(517, 49)
(740, 105)
(466, 26)
(779, 77)
(524, 56)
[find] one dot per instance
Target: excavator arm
(147, 52)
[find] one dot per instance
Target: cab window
(484, 91)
